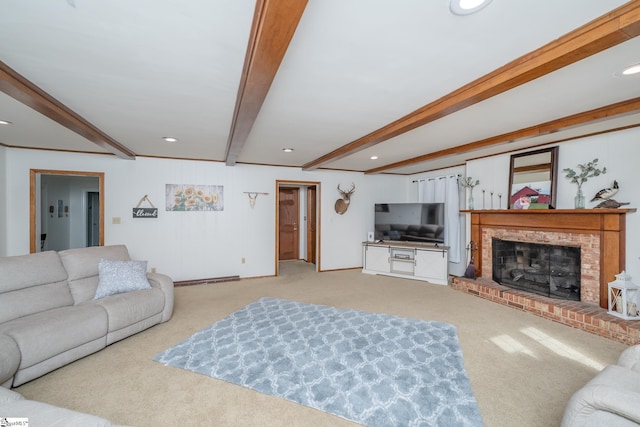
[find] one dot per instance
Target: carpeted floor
(522, 368)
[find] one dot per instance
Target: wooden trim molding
(274, 23)
(609, 224)
(206, 281)
(607, 31)
(23, 90)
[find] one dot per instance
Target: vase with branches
(585, 171)
(469, 183)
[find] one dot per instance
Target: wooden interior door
(288, 221)
(311, 224)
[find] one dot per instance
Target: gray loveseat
(611, 398)
(48, 314)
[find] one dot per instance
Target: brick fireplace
(600, 235)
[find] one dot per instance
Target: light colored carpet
(522, 368)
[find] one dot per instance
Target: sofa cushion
(117, 277)
(82, 266)
(126, 309)
(31, 284)
(47, 334)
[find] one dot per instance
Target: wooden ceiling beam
(16, 86)
(622, 108)
(600, 34)
(274, 23)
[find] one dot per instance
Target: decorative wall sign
(187, 197)
(139, 212)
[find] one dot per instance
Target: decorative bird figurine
(606, 193)
(610, 204)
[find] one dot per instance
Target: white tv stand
(427, 262)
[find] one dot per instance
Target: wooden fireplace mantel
(609, 224)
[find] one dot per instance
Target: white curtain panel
(444, 189)
(427, 190)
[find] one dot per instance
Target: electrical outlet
(153, 269)
(243, 260)
(116, 220)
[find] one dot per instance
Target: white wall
(618, 152)
(4, 224)
(196, 245)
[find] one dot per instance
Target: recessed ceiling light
(288, 150)
(170, 139)
(374, 157)
(467, 7)
(631, 70)
(4, 122)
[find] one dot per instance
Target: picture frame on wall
(533, 179)
(191, 198)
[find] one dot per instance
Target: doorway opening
(297, 222)
(66, 209)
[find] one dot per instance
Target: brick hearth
(581, 315)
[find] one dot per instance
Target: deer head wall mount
(342, 204)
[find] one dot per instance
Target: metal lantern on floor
(624, 297)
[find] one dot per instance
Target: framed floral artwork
(191, 198)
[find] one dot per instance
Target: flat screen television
(410, 222)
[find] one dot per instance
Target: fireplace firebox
(549, 270)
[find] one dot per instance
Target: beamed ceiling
(338, 81)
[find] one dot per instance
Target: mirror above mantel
(533, 179)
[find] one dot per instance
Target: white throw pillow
(116, 277)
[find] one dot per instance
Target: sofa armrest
(606, 398)
(165, 284)
(615, 390)
(10, 358)
(8, 396)
(630, 358)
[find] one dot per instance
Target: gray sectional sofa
(48, 314)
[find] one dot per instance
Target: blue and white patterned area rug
(373, 369)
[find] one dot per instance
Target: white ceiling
(142, 70)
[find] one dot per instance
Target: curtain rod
(431, 179)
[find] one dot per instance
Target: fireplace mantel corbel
(608, 224)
